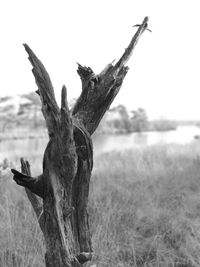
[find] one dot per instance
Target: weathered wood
(68, 159)
(35, 201)
(99, 91)
(50, 108)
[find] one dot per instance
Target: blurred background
(159, 94)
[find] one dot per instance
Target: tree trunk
(59, 195)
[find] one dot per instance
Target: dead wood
(63, 186)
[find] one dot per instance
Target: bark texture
(59, 196)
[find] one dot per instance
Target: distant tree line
(27, 116)
(134, 121)
(116, 120)
(137, 121)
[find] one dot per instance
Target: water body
(182, 135)
(14, 149)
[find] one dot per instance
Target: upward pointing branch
(49, 106)
(35, 200)
(66, 120)
(128, 51)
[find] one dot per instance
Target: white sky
(164, 74)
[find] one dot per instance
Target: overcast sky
(164, 74)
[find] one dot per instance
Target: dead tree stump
(59, 195)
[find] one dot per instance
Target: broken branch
(46, 92)
(35, 201)
(98, 91)
(129, 50)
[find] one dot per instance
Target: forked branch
(98, 91)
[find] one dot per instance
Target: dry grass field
(144, 210)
